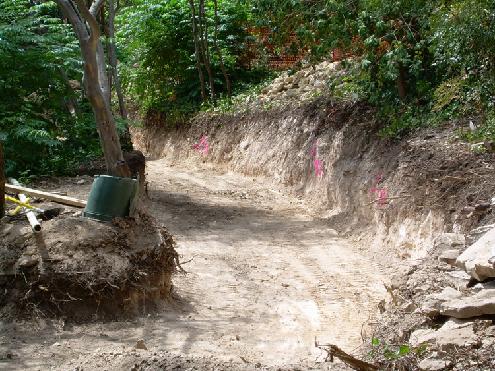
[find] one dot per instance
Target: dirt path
(264, 280)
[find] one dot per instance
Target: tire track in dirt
(271, 276)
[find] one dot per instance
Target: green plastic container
(110, 197)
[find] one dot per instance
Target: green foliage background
(38, 54)
(419, 62)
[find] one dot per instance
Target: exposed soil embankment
(83, 269)
(396, 194)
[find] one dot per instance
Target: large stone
(479, 304)
(422, 336)
(434, 363)
(449, 256)
(453, 334)
(478, 259)
(433, 303)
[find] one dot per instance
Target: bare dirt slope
(264, 279)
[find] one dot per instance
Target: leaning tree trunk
(2, 182)
(95, 81)
(197, 49)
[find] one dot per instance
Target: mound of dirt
(84, 269)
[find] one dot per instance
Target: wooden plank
(46, 195)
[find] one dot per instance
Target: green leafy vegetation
(159, 70)
(394, 354)
(419, 62)
(39, 64)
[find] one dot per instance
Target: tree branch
(93, 24)
(70, 12)
(95, 7)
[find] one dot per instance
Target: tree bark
(87, 29)
(2, 182)
(112, 57)
(219, 52)
(197, 49)
(203, 27)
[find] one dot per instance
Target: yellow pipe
(18, 202)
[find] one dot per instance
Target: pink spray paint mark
(381, 193)
(202, 146)
(317, 163)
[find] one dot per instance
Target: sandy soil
(265, 278)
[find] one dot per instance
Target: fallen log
(64, 200)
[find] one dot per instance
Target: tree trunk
(219, 52)
(2, 182)
(105, 122)
(112, 57)
(95, 79)
(102, 71)
(203, 26)
(197, 49)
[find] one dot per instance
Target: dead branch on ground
(334, 351)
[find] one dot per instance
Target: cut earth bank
(418, 203)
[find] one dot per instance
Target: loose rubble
(293, 88)
(451, 323)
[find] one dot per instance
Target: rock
(448, 241)
(481, 303)
(433, 303)
(453, 334)
(478, 259)
(457, 279)
(449, 256)
(81, 181)
(244, 145)
(456, 334)
(434, 363)
(141, 345)
(490, 285)
(422, 336)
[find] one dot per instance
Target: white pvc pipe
(33, 220)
